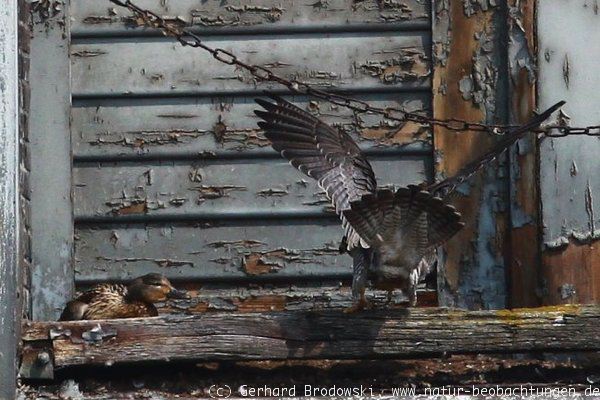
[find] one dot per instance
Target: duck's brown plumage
(107, 301)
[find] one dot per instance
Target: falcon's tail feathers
(378, 217)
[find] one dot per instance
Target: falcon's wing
(326, 154)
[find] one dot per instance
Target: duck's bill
(178, 294)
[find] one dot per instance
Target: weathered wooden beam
(50, 150)
(319, 335)
(569, 184)
(269, 298)
(468, 84)
(9, 199)
(523, 258)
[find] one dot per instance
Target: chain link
(188, 38)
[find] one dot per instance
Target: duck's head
(153, 288)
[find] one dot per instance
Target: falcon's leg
(343, 245)
(388, 299)
(424, 267)
(359, 280)
(412, 287)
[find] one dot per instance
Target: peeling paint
(520, 52)
(579, 236)
(471, 7)
(408, 64)
(566, 70)
(207, 192)
(271, 14)
(407, 133)
(88, 53)
(256, 264)
(272, 192)
(92, 17)
(573, 170)
(46, 9)
(161, 262)
(480, 85)
(567, 291)
(128, 207)
(235, 243)
(149, 138)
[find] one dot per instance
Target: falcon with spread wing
(391, 236)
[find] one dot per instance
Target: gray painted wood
(207, 251)
(280, 296)
(215, 188)
(321, 335)
(171, 174)
(569, 166)
(94, 17)
(336, 61)
(51, 206)
(10, 312)
(225, 126)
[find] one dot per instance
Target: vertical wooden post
(9, 199)
(52, 280)
(470, 83)
(524, 258)
(569, 41)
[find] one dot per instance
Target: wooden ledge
(399, 333)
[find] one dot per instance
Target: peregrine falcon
(392, 237)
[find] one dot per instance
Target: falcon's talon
(352, 309)
(362, 304)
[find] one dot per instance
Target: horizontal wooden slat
(96, 17)
(241, 250)
(168, 128)
(411, 332)
(340, 61)
(215, 187)
(273, 296)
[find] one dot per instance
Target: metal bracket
(37, 363)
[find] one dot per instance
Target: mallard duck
(105, 301)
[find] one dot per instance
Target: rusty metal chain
(188, 38)
(562, 131)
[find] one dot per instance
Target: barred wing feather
(326, 154)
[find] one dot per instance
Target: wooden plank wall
(569, 166)
(171, 174)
